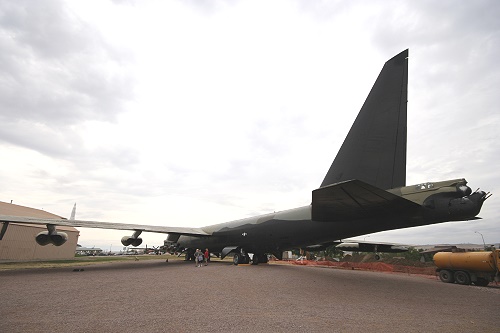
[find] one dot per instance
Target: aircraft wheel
(255, 260)
(245, 259)
(263, 259)
(237, 259)
(462, 277)
(446, 276)
(241, 258)
(189, 256)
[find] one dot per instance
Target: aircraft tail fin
(374, 151)
(73, 212)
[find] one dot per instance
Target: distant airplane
(363, 192)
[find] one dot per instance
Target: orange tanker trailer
(479, 268)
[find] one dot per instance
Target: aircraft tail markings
(374, 150)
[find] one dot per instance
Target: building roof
(16, 210)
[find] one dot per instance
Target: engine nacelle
(127, 240)
(133, 240)
(55, 238)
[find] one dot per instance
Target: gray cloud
(55, 71)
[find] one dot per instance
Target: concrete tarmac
(155, 296)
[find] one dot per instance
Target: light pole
(484, 244)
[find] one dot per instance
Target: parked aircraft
(363, 192)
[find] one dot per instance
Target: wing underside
(104, 225)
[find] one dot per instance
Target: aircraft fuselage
(295, 228)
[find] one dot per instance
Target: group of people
(201, 257)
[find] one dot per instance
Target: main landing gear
(259, 259)
(243, 258)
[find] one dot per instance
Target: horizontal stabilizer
(354, 200)
(104, 225)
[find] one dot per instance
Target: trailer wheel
(482, 282)
(462, 277)
(446, 276)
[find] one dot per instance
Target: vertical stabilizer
(374, 151)
(73, 212)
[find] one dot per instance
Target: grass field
(88, 260)
(80, 261)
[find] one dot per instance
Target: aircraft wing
(360, 246)
(363, 246)
(354, 200)
(105, 225)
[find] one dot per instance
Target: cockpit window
(424, 186)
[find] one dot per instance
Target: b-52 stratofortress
(363, 192)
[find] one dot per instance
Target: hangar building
(18, 243)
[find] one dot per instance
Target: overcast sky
(189, 113)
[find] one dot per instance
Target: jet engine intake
(43, 238)
(55, 238)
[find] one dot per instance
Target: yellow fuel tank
(473, 261)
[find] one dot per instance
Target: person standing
(200, 258)
(197, 256)
(207, 256)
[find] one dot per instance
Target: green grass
(80, 261)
